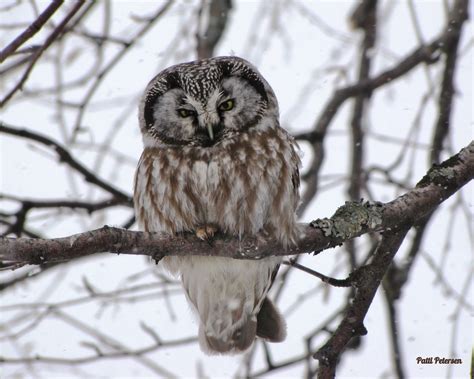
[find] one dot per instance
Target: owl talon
(206, 232)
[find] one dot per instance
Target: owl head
(203, 102)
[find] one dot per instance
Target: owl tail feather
(239, 341)
(270, 323)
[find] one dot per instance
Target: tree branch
(458, 14)
(349, 221)
(216, 13)
(427, 54)
(367, 281)
(51, 38)
(31, 30)
(66, 157)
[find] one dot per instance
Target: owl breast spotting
(216, 159)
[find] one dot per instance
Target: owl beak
(210, 130)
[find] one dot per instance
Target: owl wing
(295, 168)
(295, 180)
(271, 325)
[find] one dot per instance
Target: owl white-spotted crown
(202, 102)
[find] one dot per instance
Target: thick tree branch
(215, 13)
(351, 220)
(367, 280)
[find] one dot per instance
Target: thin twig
(31, 30)
(52, 37)
(326, 279)
(67, 158)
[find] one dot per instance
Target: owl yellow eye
(227, 105)
(184, 112)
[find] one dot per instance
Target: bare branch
(365, 18)
(66, 157)
(215, 14)
(367, 283)
(31, 30)
(445, 100)
(55, 34)
(427, 54)
(326, 279)
(88, 206)
(149, 23)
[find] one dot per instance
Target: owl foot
(206, 232)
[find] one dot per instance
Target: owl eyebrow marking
(196, 104)
(222, 94)
(184, 101)
(215, 96)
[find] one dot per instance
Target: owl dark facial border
(200, 80)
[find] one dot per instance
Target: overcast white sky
(295, 56)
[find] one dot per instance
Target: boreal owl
(215, 159)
